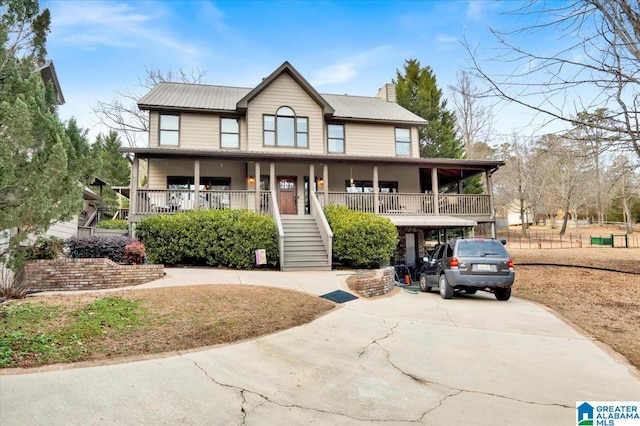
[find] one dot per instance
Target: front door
(287, 194)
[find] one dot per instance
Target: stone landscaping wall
(86, 274)
(372, 283)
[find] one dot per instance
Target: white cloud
(334, 74)
(105, 23)
(446, 42)
(476, 11)
(347, 69)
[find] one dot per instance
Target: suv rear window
(481, 249)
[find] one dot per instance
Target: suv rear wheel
(446, 291)
(502, 293)
(423, 284)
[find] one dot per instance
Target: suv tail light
(453, 263)
(511, 268)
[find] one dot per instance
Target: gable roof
(286, 67)
(48, 74)
(209, 98)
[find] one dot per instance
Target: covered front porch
(179, 181)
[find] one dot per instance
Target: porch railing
(397, 204)
(170, 201)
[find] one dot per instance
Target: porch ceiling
(434, 221)
(453, 166)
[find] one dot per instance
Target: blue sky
(351, 47)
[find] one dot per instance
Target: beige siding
(243, 134)
(63, 230)
(408, 178)
(375, 140)
(284, 91)
(370, 139)
(415, 143)
(199, 131)
(160, 168)
(153, 129)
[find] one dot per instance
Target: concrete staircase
(303, 246)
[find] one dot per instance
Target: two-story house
(285, 149)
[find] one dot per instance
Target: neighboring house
(512, 213)
(285, 149)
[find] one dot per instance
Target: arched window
(285, 129)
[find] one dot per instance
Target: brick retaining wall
(86, 274)
(372, 283)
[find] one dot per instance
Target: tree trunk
(565, 219)
(627, 214)
(523, 218)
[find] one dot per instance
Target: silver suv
(469, 265)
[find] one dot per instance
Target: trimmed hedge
(361, 240)
(226, 238)
(97, 247)
(113, 224)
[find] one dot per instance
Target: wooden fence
(548, 240)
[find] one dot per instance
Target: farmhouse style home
(284, 149)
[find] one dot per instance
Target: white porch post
(376, 195)
(434, 189)
(133, 201)
(325, 178)
(491, 207)
(272, 176)
(257, 187)
(196, 183)
(312, 181)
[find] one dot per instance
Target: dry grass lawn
(166, 320)
(605, 304)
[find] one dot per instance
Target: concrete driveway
(401, 359)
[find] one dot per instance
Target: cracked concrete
(402, 360)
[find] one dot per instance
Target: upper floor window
(169, 129)
(229, 133)
(285, 129)
(403, 142)
(335, 138)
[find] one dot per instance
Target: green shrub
(361, 240)
(209, 237)
(113, 224)
(44, 248)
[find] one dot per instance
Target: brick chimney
(387, 92)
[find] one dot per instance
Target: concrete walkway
(402, 359)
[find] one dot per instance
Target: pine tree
(40, 174)
(417, 91)
(114, 167)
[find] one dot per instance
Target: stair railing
(275, 212)
(323, 226)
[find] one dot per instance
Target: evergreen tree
(113, 166)
(40, 173)
(417, 91)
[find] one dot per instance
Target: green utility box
(611, 241)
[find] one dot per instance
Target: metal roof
(370, 108)
(193, 96)
(201, 97)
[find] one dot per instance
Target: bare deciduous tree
(597, 65)
(122, 113)
(474, 121)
